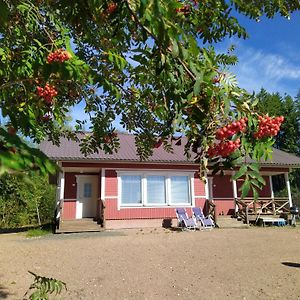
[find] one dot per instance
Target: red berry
(11, 131)
(112, 7)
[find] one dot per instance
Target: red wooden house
(137, 194)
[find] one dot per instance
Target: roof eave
(116, 161)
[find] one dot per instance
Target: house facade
(123, 192)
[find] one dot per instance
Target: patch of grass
(37, 232)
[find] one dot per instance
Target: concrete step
(228, 222)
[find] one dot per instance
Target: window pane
(180, 189)
(87, 190)
(131, 189)
(156, 189)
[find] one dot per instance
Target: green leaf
(245, 188)
(255, 193)
(254, 167)
(197, 86)
(175, 48)
(241, 172)
(261, 180)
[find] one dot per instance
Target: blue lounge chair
(206, 222)
(184, 221)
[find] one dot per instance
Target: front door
(87, 195)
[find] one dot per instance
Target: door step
(82, 225)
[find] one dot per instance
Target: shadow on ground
(291, 264)
(46, 226)
(4, 294)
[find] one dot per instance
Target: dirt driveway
(256, 263)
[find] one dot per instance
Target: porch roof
(70, 151)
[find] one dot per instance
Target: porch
(224, 199)
(249, 210)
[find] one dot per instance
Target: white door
(87, 195)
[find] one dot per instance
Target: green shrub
(25, 199)
(295, 195)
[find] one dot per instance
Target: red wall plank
(112, 212)
(200, 202)
(224, 206)
(69, 210)
(111, 183)
(199, 186)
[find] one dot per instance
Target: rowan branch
(136, 19)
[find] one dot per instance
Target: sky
(269, 58)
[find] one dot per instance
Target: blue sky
(269, 58)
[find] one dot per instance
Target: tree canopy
(149, 63)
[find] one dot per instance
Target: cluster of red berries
(111, 8)
(59, 55)
(231, 129)
(224, 148)
(268, 126)
(48, 92)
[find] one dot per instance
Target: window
(131, 189)
(87, 190)
(180, 189)
(154, 189)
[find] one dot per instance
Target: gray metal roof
(70, 151)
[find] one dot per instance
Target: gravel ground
(255, 263)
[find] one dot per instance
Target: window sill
(156, 206)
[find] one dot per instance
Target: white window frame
(167, 175)
(120, 190)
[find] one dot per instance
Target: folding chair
(206, 222)
(184, 221)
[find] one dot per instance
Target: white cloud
(274, 72)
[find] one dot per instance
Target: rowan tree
(148, 62)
